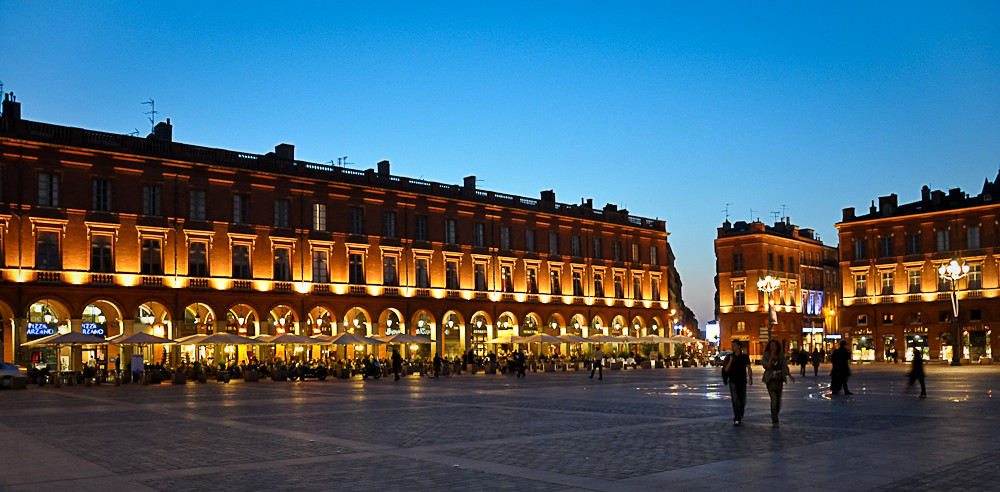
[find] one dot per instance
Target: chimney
(872, 208)
(11, 108)
(285, 151)
(937, 197)
(163, 131)
(470, 182)
(887, 204)
(610, 208)
(588, 203)
(848, 213)
(925, 193)
(383, 168)
(549, 196)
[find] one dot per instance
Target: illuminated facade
(893, 294)
(117, 234)
(805, 293)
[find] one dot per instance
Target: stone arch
(282, 318)
(320, 319)
(554, 324)
(423, 323)
(637, 326)
(199, 318)
(357, 320)
(506, 324)
(597, 326)
(103, 315)
(391, 322)
(153, 317)
(453, 332)
(530, 324)
(577, 324)
(617, 325)
(481, 328)
(242, 319)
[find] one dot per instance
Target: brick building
(112, 234)
(807, 292)
(894, 297)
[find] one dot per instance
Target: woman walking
(775, 372)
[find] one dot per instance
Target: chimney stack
(383, 168)
(11, 108)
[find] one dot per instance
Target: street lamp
(768, 285)
(954, 271)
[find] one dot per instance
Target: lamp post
(768, 285)
(954, 271)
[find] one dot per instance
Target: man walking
(917, 372)
(739, 372)
(840, 359)
(598, 364)
(397, 363)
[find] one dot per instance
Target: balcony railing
(390, 291)
(44, 276)
(358, 290)
(282, 286)
(152, 281)
(321, 288)
(200, 283)
(102, 278)
(242, 284)
(423, 292)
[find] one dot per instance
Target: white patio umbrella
(403, 338)
(507, 339)
(575, 339)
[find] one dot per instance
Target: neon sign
(40, 329)
(92, 329)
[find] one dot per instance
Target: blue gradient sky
(671, 110)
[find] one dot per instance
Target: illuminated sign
(833, 336)
(40, 329)
(92, 329)
(424, 330)
(391, 331)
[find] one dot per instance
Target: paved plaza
(662, 429)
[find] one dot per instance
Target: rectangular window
(886, 283)
(151, 200)
(781, 263)
(739, 294)
(319, 217)
(972, 237)
(420, 228)
(916, 318)
(506, 279)
(597, 249)
(943, 285)
(975, 277)
(860, 249)
(737, 262)
(451, 274)
(152, 258)
(196, 204)
(480, 276)
(616, 251)
(241, 261)
(555, 286)
(887, 318)
(389, 225)
(356, 268)
(479, 234)
(529, 240)
(101, 260)
(885, 249)
(942, 241)
(423, 280)
(553, 243)
(654, 255)
(770, 261)
(637, 288)
(913, 280)
(975, 315)
(389, 275)
(320, 266)
(48, 190)
(619, 287)
(531, 278)
(281, 213)
(578, 284)
(599, 285)
(574, 246)
(198, 259)
(860, 284)
(357, 220)
(505, 238)
(450, 231)
(241, 209)
(635, 252)
(913, 244)
(102, 195)
(862, 320)
(654, 288)
(282, 264)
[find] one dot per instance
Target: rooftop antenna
(152, 114)
(783, 215)
(133, 134)
(775, 214)
(751, 214)
(727, 211)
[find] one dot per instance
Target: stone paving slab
(635, 430)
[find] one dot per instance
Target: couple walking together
(737, 371)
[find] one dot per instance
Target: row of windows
(942, 243)
(739, 267)
(48, 196)
(917, 318)
(973, 281)
(787, 291)
(47, 257)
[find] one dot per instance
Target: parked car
(9, 371)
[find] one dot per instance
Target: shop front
(862, 346)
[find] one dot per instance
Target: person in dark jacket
(841, 360)
(738, 373)
(397, 363)
(917, 372)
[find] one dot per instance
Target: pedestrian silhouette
(917, 372)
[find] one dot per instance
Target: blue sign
(40, 329)
(92, 329)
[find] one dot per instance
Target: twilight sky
(669, 109)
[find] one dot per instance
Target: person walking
(803, 360)
(775, 373)
(397, 363)
(840, 359)
(738, 373)
(917, 372)
(520, 363)
(817, 359)
(598, 364)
